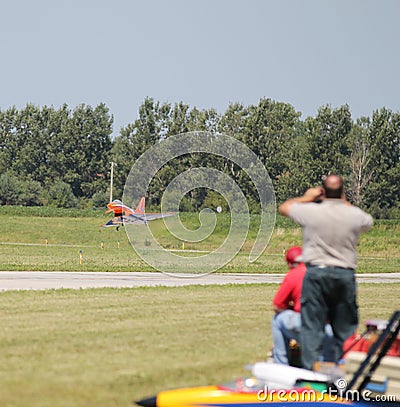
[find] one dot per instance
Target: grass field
(108, 347)
(24, 236)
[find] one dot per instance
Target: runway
(43, 280)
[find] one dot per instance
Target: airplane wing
(135, 219)
(116, 221)
(152, 216)
(123, 220)
(145, 217)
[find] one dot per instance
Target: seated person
(286, 323)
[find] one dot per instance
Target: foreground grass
(23, 245)
(108, 347)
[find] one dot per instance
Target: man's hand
(278, 310)
(311, 195)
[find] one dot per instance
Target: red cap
(293, 254)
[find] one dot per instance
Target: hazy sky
(206, 53)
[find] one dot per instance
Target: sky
(207, 53)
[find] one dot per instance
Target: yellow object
(225, 396)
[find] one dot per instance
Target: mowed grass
(23, 245)
(108, 347)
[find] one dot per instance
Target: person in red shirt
(286, 323)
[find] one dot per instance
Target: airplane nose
(150, 402)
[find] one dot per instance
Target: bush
(10, 189)
(60, 195)
(100, 199)
(31, 193)
(14, 191)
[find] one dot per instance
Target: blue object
(377, 387)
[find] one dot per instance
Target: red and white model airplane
(124, 215)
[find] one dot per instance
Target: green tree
(327, 142)
(361, 170)
(31, 154)
(59, 143)
(295, 180)
(383, 192)
(89, 159)
(8, 139)
(270, 130)
(136, 138)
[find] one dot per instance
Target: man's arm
(311, 195)
(367, 222)
(283, 296)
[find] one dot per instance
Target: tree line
(61, 157)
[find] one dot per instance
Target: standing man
(286, 323)
(331, 231)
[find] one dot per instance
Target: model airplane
(124, 215)
(269, 385)
(272, 384)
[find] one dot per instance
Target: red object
(289, 291)
(356, 343)
(293, 254)
(362, 343)
(395, 349)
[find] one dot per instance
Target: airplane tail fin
(141, 206)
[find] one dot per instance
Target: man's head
(333, 186)
(293, 256)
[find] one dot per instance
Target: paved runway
(41, 280)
